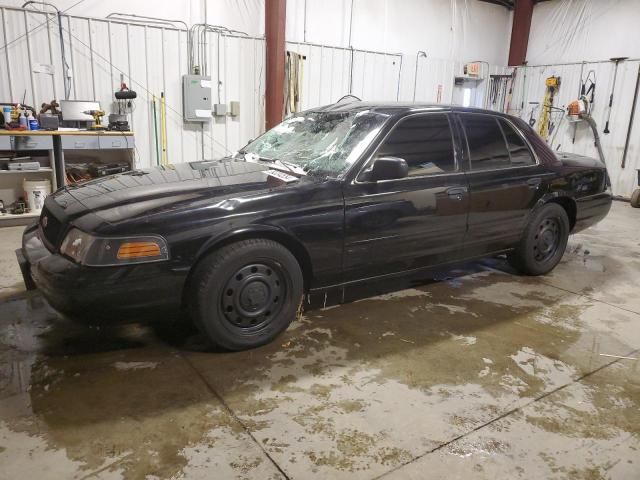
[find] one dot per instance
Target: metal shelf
(40, 170)
(11, 216)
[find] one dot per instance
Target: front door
(504, 182)
(412, 222)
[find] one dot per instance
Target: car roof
(396, 108)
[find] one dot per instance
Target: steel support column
(275, 13)
(520, 32)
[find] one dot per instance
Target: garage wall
(153, 59)
(565, 33)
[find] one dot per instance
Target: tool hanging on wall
(631, 118)
(532, 113)
(587, 93)
(163, 128)
(125, 106)
(545, 123)
(498, 87)
(294, 75)
(415, 74)
(617, 61)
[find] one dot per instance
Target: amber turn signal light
(129, 250)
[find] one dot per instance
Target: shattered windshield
(328, 142)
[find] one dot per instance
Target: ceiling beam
(520, 32)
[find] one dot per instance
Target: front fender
(270, 232)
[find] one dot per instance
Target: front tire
(544, 241)
(246, 293)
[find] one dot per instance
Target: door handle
(457, 192)
(534, 182)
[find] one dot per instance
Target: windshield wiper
(290, 166)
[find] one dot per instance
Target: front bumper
(102, 292)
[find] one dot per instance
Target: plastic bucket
(35, 192)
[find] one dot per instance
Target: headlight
(105, 251)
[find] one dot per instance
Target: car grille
(52, 228)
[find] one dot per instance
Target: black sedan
(329, 198)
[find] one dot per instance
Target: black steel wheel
(246, 293)
(547, 239)
(251, 296)
(543, 242)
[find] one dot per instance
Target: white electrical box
(196, 98)
(234, 108)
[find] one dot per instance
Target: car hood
(141, 192)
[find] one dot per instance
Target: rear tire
(635, 198)
(246, 293)
(543, 242)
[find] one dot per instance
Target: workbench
(55, 150)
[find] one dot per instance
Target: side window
(487, 148)
(424, 142)
(520, 154)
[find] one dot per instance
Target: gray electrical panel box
(196, 98)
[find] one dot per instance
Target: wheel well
(569, 206)
(296, 249)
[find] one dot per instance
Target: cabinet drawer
(5, 143)
(79, 142)
(32, 143)
(108, 142)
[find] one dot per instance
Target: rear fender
(563, 199)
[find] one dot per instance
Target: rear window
(487, 147)
(518, 150)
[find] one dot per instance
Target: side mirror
(388, 168)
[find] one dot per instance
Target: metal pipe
(399, 77)
(591, 62)
(377, 52)
(350, 23)
(6, 53)
(420, 53)
(304, 22)
(30, 60)
(147, 18)
(155, 130)
(631, 117)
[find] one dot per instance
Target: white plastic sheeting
(566, 31)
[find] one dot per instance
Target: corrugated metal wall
(153, 60)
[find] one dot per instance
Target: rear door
(412, 222)
(504, 182)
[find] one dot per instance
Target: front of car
(128, 242)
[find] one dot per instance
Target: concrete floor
(480, 374)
